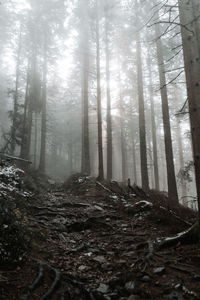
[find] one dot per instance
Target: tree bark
(35, 140)
(153, 128)
(142, 126)
(108, 116)
(15, 109)
(99, 113)
(190, 33)
(42, 162)
(171, 178)
(24, 125)
(85, 158)
(181, 161)
(134, 162)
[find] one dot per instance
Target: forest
(99, 149)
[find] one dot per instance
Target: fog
(98, 88)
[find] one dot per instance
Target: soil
(91, 242)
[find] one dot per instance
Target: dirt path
(91, 247)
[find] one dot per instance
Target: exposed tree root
(192, 235)
(38, 280)
(54, 284)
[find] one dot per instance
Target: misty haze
(100, 149)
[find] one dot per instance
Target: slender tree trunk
(85, 163)
(122, 135)
(29, 130)
(85, 158)
(99, 114)
(15, 109)
(153, 128)
(190, 33)
(70, 158)
(134, 162)
(142, 127)
(181, 159)
(123, 145)
(35, 141)
(171, 178)
(24, 125)
(43, 123)
(108, 117)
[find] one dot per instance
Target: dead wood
(103, 187)
(171, 212)
(6, 156)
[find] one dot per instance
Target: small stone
(73, 241)
(61, 237)
(129, 286)
(114, 282)
(159, 270)
(93, 250)
(121, 262)
(146, 278)
(52, 182)
(82, 268)
(196, 277)
(173, 295)
(103, 288)
(132, 297)
(100, 259)
(98, 208)
(106, 266)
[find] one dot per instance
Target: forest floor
(92, 241)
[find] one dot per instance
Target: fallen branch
(103, 187)
(15, 158)
(175, 216)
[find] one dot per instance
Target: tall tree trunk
(134, 162)
(44, 117)
(99, 114)
(153, 127)
(171, 178)
(85, 158)
(142, 127)
(15, 109)
(29, 131)
(122, 133)
(70, 158)
(35, 141)
(190, 33)
(181, 159)
(24, 125)
(108, 116)
(123, 144)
